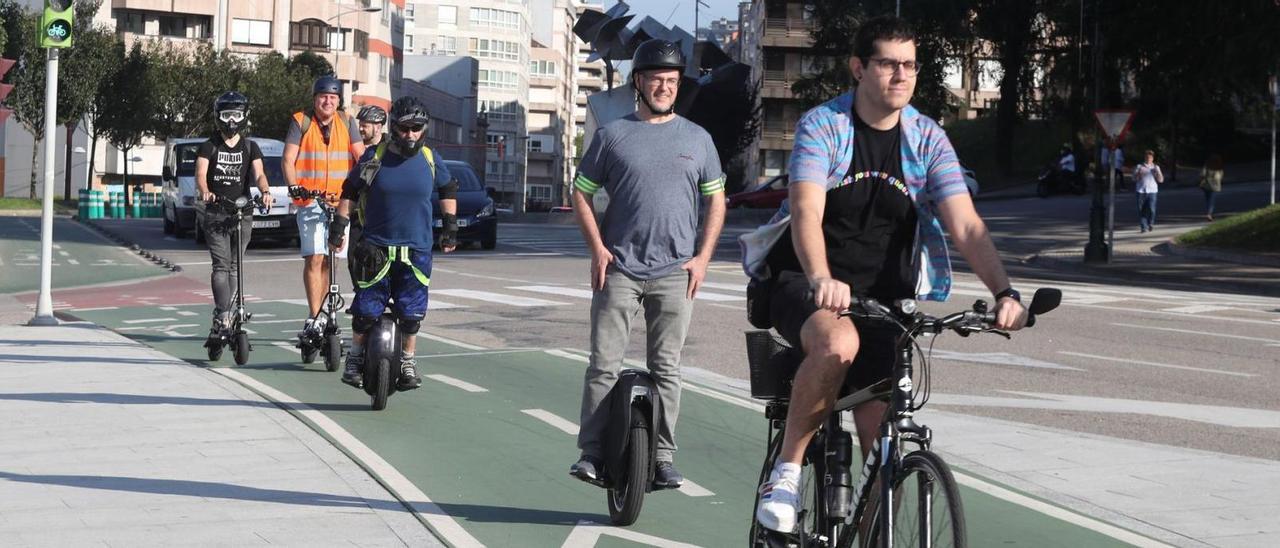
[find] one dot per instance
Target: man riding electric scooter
(391, 190)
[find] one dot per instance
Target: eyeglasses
(669, 82)
(406, 128)
(231, 116)
(890, 66)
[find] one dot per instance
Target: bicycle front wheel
(927, 510)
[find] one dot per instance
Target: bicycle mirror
(1045, 299)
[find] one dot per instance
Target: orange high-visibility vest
(323, 166)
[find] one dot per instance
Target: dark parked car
(769, 194)
(476, 219)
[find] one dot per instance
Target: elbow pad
(449, 191)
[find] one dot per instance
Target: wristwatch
(1009, 292)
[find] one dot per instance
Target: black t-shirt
(869, 222)
(230, 172)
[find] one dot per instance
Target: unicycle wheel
(380, 389)
(241, 348)
(626, 497)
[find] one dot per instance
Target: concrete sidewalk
(104, 441)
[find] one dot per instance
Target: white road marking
(726, 287)
(587, 533)
(548, 417)
(298, 320)
(457, 383)
(999, 358)
(72, 262)
(458, 344)
(718, 297)
(1235, 417)
(168, 308)
(478, 353)
(694, 490)
(1156, 364)
(176, 334)
(247, 261)
(435, 304)
(284, 345)
(496, 297)
(557, 290)
(1196, 309)
(408, 493)
(97, 308)
(186, 313)
(1205, 333)
(149, 320)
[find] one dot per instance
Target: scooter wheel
(1042, 189)
(382, 385)
(309, 354)
(241, 348)
(215, 351)
(333, 352)
(627, 495)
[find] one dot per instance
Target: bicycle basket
(772, 366)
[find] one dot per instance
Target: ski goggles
(231, 116)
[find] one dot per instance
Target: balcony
(787, 32)
(777, 84)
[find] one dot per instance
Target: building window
(499, 79)
(131, 21)
(540, 193)
(383, 65)
(775, 162)
(493, 139)
(408, 11)
(386, 11)
(313, 34)
(495, 49)
(542, 68)
(501, 111)
(500, 19)
(535, 145)
(445, 45)
(408, 43)
(447, 15)
(251, 32)
(182, 26)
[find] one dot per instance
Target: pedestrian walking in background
(1211, 183)
(1147, 177)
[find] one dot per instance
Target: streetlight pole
(338, 16)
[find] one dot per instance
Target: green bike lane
(80, 256)
(487, 439)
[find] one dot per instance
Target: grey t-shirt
(654, 174)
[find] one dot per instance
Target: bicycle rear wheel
(813, 528)
(927, 510)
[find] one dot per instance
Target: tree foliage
(276, 89)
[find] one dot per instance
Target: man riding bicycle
(226, 165)
(871, 177)
(390, 190)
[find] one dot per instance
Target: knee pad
(409, 327)
(362, 324)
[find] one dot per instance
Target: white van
(183, 212)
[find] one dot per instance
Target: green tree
(124, 105)
(276, 90)
(185, 81)
(81, 69)
(27, 77)
(1014, 28)
(98, 111)
(314, 65)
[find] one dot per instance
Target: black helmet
(231, 112)
(372, 114)
(407, 111)
(657, 54)
(327, 84)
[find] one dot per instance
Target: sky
(679, 12)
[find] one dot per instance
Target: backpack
(370, 170)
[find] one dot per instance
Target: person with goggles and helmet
(226, 166)
(372, 119)
(390, 191)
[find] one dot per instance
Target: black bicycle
(903, 497)
(328, 342)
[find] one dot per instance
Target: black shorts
(790, 306)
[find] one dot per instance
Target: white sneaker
(308, 327)
(779, 502)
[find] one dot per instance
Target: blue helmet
(327, 84)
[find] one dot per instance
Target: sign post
(1114, 124)
(1275, 98)
(55, 34)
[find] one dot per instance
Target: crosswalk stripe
(557, 290)
(496, 297)
(435, 304)
(1196, 309)
(149, 320)
(725, 287)
(718, 297)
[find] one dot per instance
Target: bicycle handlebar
(975, 320)
(300, 193)
(242, 203)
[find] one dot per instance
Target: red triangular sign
(4, 91)
(5, 65)
(1114, 123)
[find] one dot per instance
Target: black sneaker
(409, 378)
(666, 476)
(587, 469)
(352, 374)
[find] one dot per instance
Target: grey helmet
(408, 111)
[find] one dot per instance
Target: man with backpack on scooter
(390, 193)
(226, 165)
(655, 166)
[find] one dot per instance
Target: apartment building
(775, 38)
(552, 76)
(497, 34)
(590, 77)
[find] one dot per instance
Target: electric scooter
(234, 335)
(327, 343)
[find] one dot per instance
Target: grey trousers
(218, 236)
(666, 314)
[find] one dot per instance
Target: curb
(125, 242)
(1172, 248)
(1075, 263)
